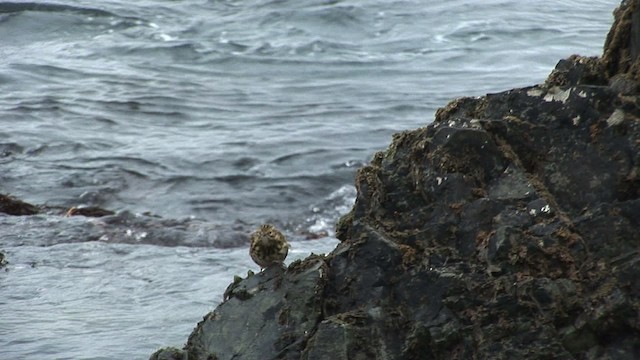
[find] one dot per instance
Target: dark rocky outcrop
(509, 228)
(12, 206)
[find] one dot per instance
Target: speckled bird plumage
(268, 246)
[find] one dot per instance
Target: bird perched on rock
(268, 247)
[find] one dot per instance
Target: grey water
(198, 120)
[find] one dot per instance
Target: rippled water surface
(198, 120)
(96, 300)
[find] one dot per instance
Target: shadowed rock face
(268, 313)
(509, 228)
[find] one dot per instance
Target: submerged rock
(506, 229)
(55, 225)
(89, 211)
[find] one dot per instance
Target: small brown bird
(268, 247)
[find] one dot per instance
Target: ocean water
(198, 120)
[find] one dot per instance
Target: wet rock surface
(12, 206)
(506, 229)
(57, 225)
